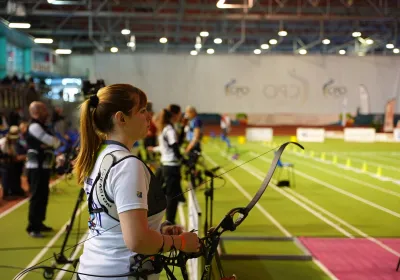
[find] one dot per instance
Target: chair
(289, 167)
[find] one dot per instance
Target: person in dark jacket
(40, 156)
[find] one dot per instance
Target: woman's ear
(120, 117)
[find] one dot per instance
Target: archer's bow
(245, 211)
(210, 242)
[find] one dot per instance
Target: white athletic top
(167, 137)
(127, 185)
(225, 122)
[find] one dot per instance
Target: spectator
(15, 117)
(11, 161)
(41, 144)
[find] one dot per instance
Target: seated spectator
(11, 160)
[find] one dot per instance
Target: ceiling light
(131, 44)
(282, 33)
(63, 51)
(369, 41)
(197, 46)
(302, 51)
(64, 2)
(257, 51)
(265, 46)
(273, 41)
(19, 25)
(210, 51)
(356, 34)
(326, 41)
(114, 49)
(217, 40)
(193, 52)
(43, 40)
(221, 5)
(163, 40)
(389, 46)
(396, 50)
(204, 34)
(125, 31)
(342, 52)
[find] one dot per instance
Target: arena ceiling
(86, 26)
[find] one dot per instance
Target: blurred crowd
(14, 148)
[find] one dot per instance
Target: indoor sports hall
(293, 107)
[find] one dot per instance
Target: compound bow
(145, 265)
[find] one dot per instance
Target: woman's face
(176, 117)
(138, 124)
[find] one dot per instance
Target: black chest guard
(156, 199)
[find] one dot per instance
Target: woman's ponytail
(90, 140)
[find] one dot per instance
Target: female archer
(171, 160)
(125, 200)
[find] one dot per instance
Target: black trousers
(150, 141)
(11, 179)
(173, 190)
(38, 180)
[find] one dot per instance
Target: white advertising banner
(259, 134)
(310, 134)
(359, 134)
(396, 134)
(311, 84)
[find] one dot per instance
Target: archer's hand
(192, 243)
(172, 230)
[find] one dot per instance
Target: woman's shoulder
(168, 127)
(123, 160)
(129, 164)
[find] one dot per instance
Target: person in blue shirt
(195, 131)
(193, 149)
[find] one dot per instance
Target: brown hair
(163, 119)
(96, 120)
(174, 109)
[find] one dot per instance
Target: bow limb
(269, 175)
(228, 223)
